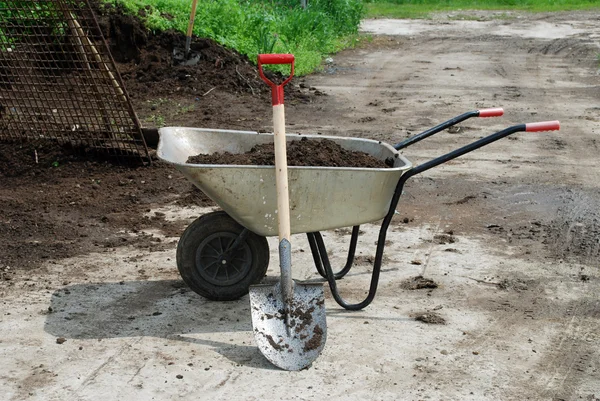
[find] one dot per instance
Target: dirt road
(510, 233)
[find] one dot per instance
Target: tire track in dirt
(574, 353)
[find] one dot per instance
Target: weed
(157, 120)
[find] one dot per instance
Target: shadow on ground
(161, 309)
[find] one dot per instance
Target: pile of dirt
(305, 152)
(147, 65)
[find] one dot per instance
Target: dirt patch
(446, 238)
(419, 283)
(58, 202)
(429, 318)
(305, 152)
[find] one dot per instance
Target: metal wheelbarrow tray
(222, 253)
(321, 198)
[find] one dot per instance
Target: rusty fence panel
(59, 82)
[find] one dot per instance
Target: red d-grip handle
(276, 90)
(275, 59)
(543, 126)
(493, 112)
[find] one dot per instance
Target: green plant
(157, 120)
(265, 40)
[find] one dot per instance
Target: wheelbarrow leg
(317, 251)
(531, 127)
(330, 276)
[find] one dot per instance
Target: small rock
(61, 340)
(179, 376)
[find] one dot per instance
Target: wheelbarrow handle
(543, 126)
(276, 90)
(492, 112)
(530, 127)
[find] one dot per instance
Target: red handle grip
(493, 112)
(543, 126)
(276, 90)
(275, 58)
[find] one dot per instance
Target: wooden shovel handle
(192, 17)
(281, 175)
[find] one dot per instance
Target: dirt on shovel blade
(305, 152)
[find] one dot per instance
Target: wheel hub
(218, 263)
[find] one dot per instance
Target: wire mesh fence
(59, 82)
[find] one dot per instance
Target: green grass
(425, 8)
(261, 26)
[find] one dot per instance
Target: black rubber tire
(199, 254)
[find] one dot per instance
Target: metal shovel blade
(295, 344)
(181, 57)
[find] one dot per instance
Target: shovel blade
(181, 58)
(295, 344)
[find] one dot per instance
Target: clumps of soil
(315, 341)
(429, 318)
(305, 152)
(418, 283)
(446, 238)
(276, 346)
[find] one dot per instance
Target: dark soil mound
(323, 153)
(147, 64)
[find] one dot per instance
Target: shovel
(184, 57)
(289, 317)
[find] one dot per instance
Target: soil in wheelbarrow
(305, 152)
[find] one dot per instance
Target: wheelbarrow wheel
(210, 263)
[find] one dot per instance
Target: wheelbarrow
(222, 254)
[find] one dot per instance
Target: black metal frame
(315, 239)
